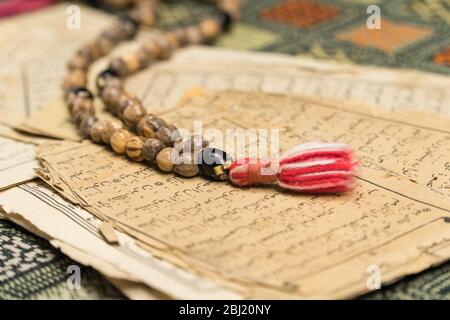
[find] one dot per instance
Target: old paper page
(45, 211)
(271, 243)
(36, 58)
(161, 86)
(17, 162)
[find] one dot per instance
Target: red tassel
(312, 167)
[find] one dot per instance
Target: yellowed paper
(43, 212)
(36, 47)
(17, 162)
(267, 243)
(107, 231)
(225, 69)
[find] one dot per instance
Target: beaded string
(319, 167)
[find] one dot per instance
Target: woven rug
(414, 34)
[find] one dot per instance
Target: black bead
(102, 76)
(225, 20)
(79, 91)
(211, 161)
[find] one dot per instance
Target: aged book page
(17, 162)
(271, 243)
(37, 57)
(42, 211)
(271, 73)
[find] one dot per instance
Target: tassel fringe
(314, 167)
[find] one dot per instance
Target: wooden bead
(72, 94)
(133, 113)
(180, 33)
(78, 117)
(86, 124)
(132, 63)
(210, 28)
(118, 140)
(165, 159)
(77, 62)
(144, 12)
(81, 105)
(151, 48)
(194, 35)
(76, 78)
(108, 78)
(168, 135)
(186, 167)
(105, 45)
(144, 128)
(156, 123)
(124, 101)
(110, 97)
(129, 26)
(191, 145)
(110, 127)
(134, 147)
(119, 66)
(114, 33)
(173, 40)
(151, 148)
(85, 52)
(165, 47)
(96, 131)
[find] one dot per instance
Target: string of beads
(142, 136)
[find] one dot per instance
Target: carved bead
(96, 131)
(144, 58)
(151, 148)
(194, 35)
(132, 63)
(173, 40)
(156, 123)
(186, 167)
(210, 28)
(166, 158)
(77, 62)
(180, 33)
(144, 128)
(111, 98)
(86, 124)
(151, 48)
(125, 99)
(108, 78)
(73, 95)
(134, 147)
(78, 117)
(110, 127)
(165, 47)
(118, 66)
(105, 45)
(81, 105)
(133, 113)
(129, 26)
(76, 78)
(118, 140)
(191, 145)
(168, 135)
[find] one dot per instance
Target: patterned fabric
(414, 34)
(30, 268)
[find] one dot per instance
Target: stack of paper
(190, 238)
